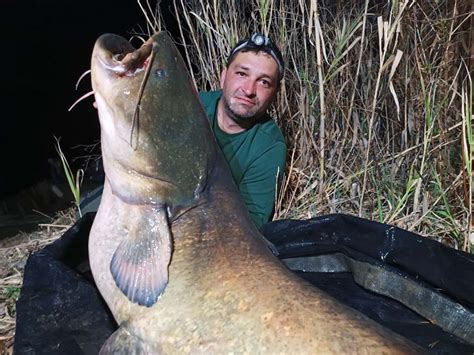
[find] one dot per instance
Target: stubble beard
(241, 117)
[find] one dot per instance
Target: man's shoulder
(270, 131)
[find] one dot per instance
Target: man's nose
(250, 87)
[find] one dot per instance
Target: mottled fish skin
(169, 190)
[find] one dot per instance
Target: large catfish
(173, 250)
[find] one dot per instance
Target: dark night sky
(46, 47)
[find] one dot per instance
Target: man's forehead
(260, 61)
(250, 53)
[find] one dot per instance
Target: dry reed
(376, 104)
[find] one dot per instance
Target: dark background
(46, 47)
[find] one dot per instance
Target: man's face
(249, 86)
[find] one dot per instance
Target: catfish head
(157, 146)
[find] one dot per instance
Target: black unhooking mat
(61, 312)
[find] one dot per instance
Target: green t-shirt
(255, 157)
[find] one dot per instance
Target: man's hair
(256, 43)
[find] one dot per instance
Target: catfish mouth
(116, 58)
(120, 57)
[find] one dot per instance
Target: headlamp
(259, 42)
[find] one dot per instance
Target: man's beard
(244, 118)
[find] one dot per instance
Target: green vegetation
(11, 293)
(74, 181)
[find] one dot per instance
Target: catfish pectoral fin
(139, 266)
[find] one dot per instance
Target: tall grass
(376, 104)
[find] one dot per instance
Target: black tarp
(61, 312)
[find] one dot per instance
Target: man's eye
(265, 83)
(240, 73)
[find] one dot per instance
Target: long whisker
(140, 93)
(81, 77)
(136, 36)
(80, 99)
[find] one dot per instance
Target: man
(251, 141)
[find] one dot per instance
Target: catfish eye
(160, 73)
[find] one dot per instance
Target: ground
(14, 252)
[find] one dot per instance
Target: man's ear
(223, 74)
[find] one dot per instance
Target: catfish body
(173, 250)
